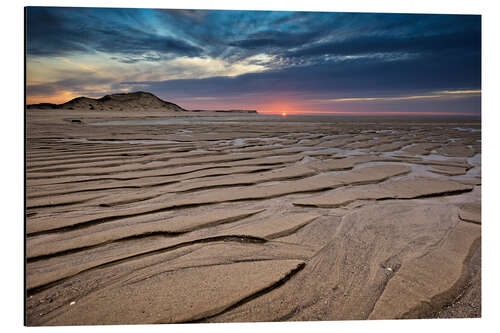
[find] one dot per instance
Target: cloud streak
(443, 94)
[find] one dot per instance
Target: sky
(270, 61)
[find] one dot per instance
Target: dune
(126, 101)
(137, 101)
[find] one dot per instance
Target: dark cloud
(50, 33)
(271, 39)
(77, 83)
(61, 31)
(353, 77)
(469, 41)
(191, 15)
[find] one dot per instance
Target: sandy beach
(170, 217)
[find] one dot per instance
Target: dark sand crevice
(431, 195)
(468, 302)
(406, 189)
(74, 250)
(247, 299)
(47, 204)
(85, 191)
(96, 152)
(178, 269)
(470, 221)
(426, 302)
(345, 203)
(447, 298)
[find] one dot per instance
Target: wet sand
(174, 217)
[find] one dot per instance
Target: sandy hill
(115, 102)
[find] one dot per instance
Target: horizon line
(369, 113)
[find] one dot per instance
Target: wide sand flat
(250, 218)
